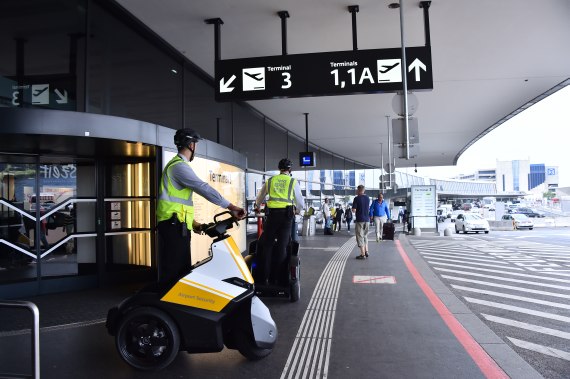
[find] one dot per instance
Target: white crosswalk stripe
(514, 288)
(522, 286)
(527, 326)
(541, 349)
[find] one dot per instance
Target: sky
(540, 134)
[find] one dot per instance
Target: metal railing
(35, 335)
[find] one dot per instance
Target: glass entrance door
(47, 218)
(17, 221)
(129, 209)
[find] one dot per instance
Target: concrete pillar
(417, 231)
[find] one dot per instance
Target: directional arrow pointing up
(225, 86)
(417, 65)
(62, 96)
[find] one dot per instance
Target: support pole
(217, 36)
(217, 130)
(306, 132)
(382, 166)
(354, 9)
(389, 149)
(284, 15)
(404, 79)
(425, 5)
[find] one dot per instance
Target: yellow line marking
(204, 287)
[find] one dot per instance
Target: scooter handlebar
(219, 227)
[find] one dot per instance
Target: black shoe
(366, 254)
(361, 257)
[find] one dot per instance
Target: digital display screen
(307, 159)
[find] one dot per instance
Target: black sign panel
(53, 91)
(322, 74)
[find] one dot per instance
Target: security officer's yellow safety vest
(174, 201)
(280, 190)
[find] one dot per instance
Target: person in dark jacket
(338, 218)
(348, 217)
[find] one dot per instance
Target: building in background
(517, 176)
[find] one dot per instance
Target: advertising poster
(229, 181)
(424, 200)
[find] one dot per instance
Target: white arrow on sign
(417, 65)
(62, 96)
(225, 86)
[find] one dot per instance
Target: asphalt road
(518, 283)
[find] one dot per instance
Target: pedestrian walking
(379, 213)
(361, 209)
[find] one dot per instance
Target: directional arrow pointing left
(417, 65)
(62, 96)
(225, 86)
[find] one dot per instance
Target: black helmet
(183, 137)
(285, 164)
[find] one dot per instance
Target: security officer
(284, 193)
(175, 210)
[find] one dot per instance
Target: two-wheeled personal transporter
(212, 306)
(284, 279)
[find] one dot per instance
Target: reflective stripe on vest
(280, 190)
(172, 200)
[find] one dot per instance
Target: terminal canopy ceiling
(489, 59)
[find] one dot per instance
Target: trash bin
(309, 226)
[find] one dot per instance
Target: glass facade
(124, 70)
(42, 218)
(516, 176)
(537, 175)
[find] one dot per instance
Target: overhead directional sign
(323, 74)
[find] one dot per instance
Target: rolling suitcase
(388, 230)
(328, 228)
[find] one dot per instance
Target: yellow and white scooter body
(204, 287)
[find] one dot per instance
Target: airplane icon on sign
(38, 92)
(257, 76)
(387, 68)
(253, 79)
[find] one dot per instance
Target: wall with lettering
(229, 181)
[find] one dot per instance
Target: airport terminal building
(89, 101)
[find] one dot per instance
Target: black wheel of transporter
(295, 290)
(147, 339)
(247, 347)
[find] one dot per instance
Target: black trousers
(276, 231)
(174, 260)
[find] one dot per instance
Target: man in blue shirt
(380, 213)
(360, 207)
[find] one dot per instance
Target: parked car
(511, 208)
(466, 206)
(529, 212)
(471, 222)
(454, 215)
(520, 220)
(490, 207)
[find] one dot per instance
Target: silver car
(471, 222)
